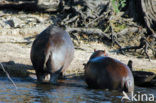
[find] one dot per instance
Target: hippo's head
(98, 53)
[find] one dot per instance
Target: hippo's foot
(44, 78)
(62, 77)
(54, 78)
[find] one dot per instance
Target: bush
(118, 5)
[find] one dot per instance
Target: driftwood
(144, 45)
(142, 78)
(88, 31)
(127, 30)
(8, 75)
(25, 6)
(32, 5)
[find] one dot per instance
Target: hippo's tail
(47, 60)
(129, 86)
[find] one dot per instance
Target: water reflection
(68, 91)
(64, 92)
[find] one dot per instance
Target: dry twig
(88, 31)
(8, 75)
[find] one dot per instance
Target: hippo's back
(54, 44)
(109, 73)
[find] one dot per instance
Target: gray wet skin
(51, 54)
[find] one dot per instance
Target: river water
(68, 91)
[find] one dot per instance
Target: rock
(4, 25)
(15, 22)
(9, 63)
(49, 5)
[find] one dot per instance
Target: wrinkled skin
(51, 53)
(104, 72)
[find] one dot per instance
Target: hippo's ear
(104, 51)
(105, 54)
(94, 50)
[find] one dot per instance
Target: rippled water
(68, 91)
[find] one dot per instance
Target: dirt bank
(20, 54)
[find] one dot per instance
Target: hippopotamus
(104, 72)
(51, 53)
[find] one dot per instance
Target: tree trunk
(149, 9)
(144, 12)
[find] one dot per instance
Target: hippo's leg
(42, 76)
(61, 76)
(53, 75)
(128, 86)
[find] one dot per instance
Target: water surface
(68, 91)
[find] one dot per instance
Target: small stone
(15, 22)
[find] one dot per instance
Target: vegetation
(118, 5)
